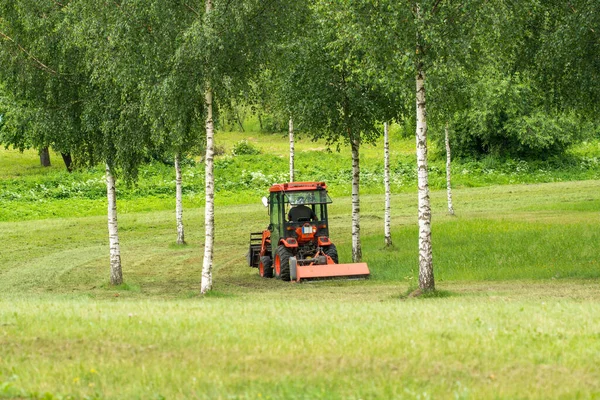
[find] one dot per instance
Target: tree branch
(227, 7)
(190, 7)
(435, 6)
(40, 64)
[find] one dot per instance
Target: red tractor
(296, 244)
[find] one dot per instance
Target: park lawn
(493, 340)
(517, 315)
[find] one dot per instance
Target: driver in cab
(299, 213)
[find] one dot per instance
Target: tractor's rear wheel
(266, 267)
(282, 262)
(331, 251)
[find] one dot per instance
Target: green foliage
(506, 118)
(244, 148)
(43, 79)
(566, 55)
(323, 83)
(125, 81)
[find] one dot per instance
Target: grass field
(517, 314)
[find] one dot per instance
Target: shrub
(244, 148)
(508, 116)
(219, 150)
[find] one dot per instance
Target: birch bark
(179, 201)
(448, 160)
(209, 208)
(356, 246)
(291, 132)
(386, 182)
(426, 279)
(116, 274)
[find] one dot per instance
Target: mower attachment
(299, 272)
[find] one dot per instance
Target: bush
(509, 117)
(531, 136)
(244, 148)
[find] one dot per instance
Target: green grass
(517, 314)
(263, 346)
(14, 164)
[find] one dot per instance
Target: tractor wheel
(282, 262)
(331, 251)
(266, 267)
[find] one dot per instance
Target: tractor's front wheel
(266, 267)
(282, 262)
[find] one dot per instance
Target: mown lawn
(517, 316)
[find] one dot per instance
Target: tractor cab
(298, 213)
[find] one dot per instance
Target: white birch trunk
(448, 160)
(356, 247)
(209, 208)
(116, 274)
(426, 279)
(291, 131)
(386, 181)
(179, 201)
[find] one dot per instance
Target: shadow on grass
(414, 292)
(125, 287)
(216, 294)
(178, 246)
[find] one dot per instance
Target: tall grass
(487, 250)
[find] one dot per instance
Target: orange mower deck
(349, 271)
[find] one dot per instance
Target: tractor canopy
(305, 197)
(297, 193)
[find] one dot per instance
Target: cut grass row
(510, 232)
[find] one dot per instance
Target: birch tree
(421, 37)
(122, 54)
(179, 201)
(52, 81)
(209, 205)
(291, 135)
(426, 278)
(223, 49)
(448, 171)
(386, 181)
(116, 273)
(356, 243)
